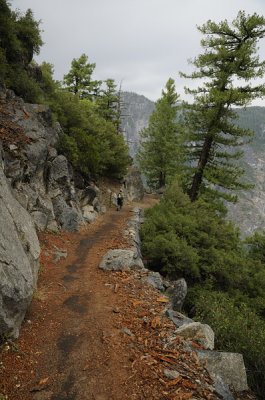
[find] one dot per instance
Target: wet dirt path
(88, 368)
(95, 335)
(70, 324)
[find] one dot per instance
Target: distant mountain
(137, 110)
(249, 212)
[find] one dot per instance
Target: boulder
(132, 232)
(22, 198)
(179, 292)
(154, 279)
(13, 169)
(89, 213)
(120, 260)
(19, 260)
(69, 218)
(201, 333)
(27, 197)
(88, 195)
(229, 367)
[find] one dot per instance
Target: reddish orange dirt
(96, 335)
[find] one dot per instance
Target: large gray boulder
(69, 218)
(201, 333)
(227, 366)
(121, 260)
(19, 260)
(154, 279)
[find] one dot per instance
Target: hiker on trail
(119, 200)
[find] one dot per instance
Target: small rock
(13, 147)
(59, 254)
(127, 332)
(171, 373)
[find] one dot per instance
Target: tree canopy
(79, 78)
(228, 66)
(20, 40)
(160, 151)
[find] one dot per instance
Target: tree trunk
(162, 179)
(197, 178)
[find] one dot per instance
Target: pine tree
(228, 65)
(107, 101)
(159, 154)
(79, 78)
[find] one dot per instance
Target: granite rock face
(19, 260)
(42, 181)
(138, 111)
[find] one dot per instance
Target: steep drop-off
(249, 211)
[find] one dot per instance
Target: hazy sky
(140, 43)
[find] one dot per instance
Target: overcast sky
(140, 43)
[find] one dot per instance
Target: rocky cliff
(137, 110)
(249, 211)
(19, 260)
(42, 181)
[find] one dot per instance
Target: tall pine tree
(159, 154)
(227, 67)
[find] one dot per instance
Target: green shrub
(237, 329)
(24, 85)
(192, 240)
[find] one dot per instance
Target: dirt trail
(69, 347)
(95, 335)
(86, 367)
(67, 328)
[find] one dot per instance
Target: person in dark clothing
(119, 200)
